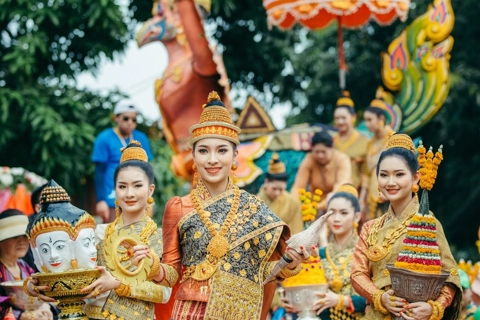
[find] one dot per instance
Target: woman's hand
(392, 303)
(288, 307)
(327, 300)
(106, 282)
(417, 311)
(136, 253)
(299, 257)
(36, 291)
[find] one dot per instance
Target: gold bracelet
(435, 315)
(123, 290)
(30, 315)
(377, 302)
(155, 268)
(25, 286)
(341, 302)
(440, 309)
(287, 273)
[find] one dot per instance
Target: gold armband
(437, 310)
(341, 302)
(123, 290)
(377, 302)
(287, 273)
(155, 267)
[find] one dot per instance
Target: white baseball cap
(123, 106)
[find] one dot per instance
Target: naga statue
(415, 68)
(194, 69)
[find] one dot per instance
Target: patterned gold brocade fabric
(141, 302)
(369, 276)
(235, 291)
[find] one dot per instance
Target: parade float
(415, 72)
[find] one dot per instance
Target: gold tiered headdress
(134, 151)
(275, 165)
(400, 140)
(345, 100)
(215, 122)
(348, 188)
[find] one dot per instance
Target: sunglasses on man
(126, 118)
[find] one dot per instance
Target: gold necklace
(377, 252)
(218, 245)
(337, 282)
(342, 146)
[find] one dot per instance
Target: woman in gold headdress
(274, 194)
(376, 120)
(382, 239)
(347, 139)
(222, 242)
(341, 301)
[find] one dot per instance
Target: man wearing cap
(106, 155)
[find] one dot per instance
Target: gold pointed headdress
(401, 140)
(348, 188)
(345, 100)
(215, 122)
(275, 165)
(133, 151)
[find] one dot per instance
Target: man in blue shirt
(106, 155)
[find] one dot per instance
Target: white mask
(85, 249)
(55, 250)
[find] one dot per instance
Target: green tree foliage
(48, 125)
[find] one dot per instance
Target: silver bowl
(18, 297)
(302, 299)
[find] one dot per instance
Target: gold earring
(380, 198)
(234, 167)
(415, 188)
(355, 227)
(117, 209)
(74, 263)
(149, 206)
(150, 200)
(195, 176)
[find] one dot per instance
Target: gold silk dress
(355, 147)
(140, 304)
(235, 290)
(383, 237)
(287, 208)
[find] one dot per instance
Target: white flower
(17, 171)
(6, 179)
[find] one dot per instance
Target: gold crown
(379, 103)
(275, 166)
(86, 221)
(49, 224)
(400, 140)
(54, 193)
(133, 151)
(348, 188)
(215, 122)
(345, 100)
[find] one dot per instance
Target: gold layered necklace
(218, 245)
(337, 281)
(343, 145)
(377, 252)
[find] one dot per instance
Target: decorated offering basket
(414, 286)
(65, 287)
(18, 297)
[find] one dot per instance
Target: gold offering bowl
(65, 287)
(18, 297)
(302, 299)
(415, 286)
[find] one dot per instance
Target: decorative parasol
(318, 14)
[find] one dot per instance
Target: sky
(134, 74)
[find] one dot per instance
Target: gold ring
(392, 298)
(393, 304)
(322, 302)
(97, 292)
(409, 313)
(35, 288)
(25, 286)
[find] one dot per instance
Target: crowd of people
(218, 244)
